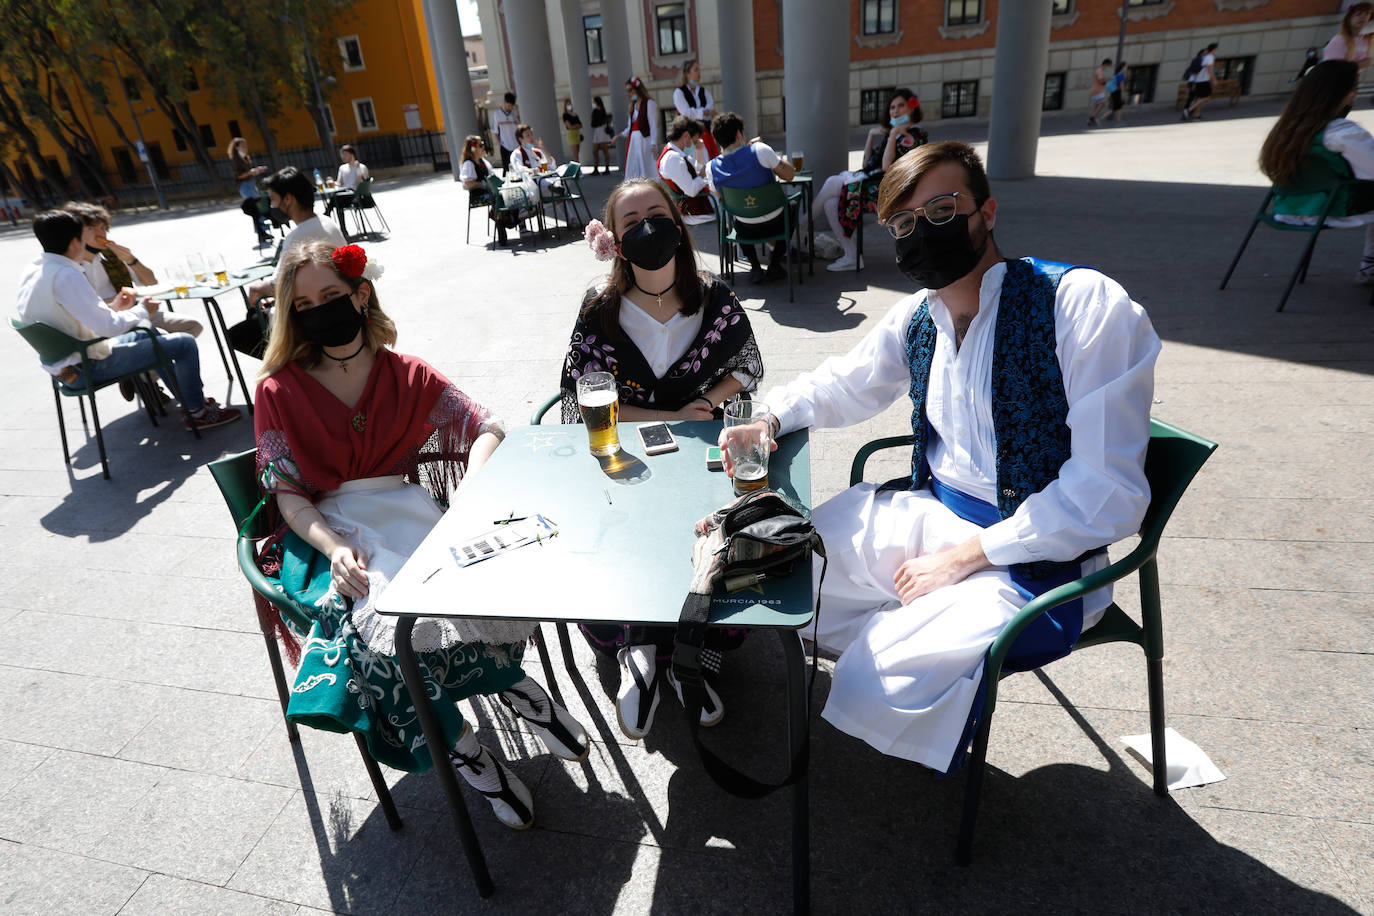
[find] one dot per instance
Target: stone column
(739, 88)
(498, 74)
(527, 31)
(451, 75)
(615, 41)
(579, 85)
(815, 47)
(1023, 41)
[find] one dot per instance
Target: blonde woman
(341, 421)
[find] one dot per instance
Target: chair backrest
(751, 203)
(52, 345)
(1172, 460)
(538, 416)
(572, 169)
(362, 194)
(238, 483)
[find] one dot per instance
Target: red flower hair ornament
(352, 262)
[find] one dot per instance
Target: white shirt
(467, 171)
(662, 345)
(1107, 350)
(673, 166)
(350, 173)
(1354, 143)
(53, 290)
(94, 269)
(769, 160)
(685, 107)
(543, 162)
(314, 229)
(505, 122)
(1205, 74)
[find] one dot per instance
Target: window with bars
(180, 140)
(959, 99)
(125, 163)
(963, 12)
(364, 114)
(671, 19)
(873, 104)
(207, 136)
(1141, 86)
(879, 17)
(351, 50)
(1054, 92)
(591, 28)
(1236, 68)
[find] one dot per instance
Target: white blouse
(1107, 350)
(664, 344)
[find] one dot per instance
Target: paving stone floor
(143, 763)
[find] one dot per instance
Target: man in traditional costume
(1031, 385)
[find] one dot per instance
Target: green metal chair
(1329, 189)
(363, 201)
(53, 345)
(571, 195)
(1172, 460)
(236, 476)
(523, 210)
(756, 202)
(478, 199)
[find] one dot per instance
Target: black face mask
(1344, 112)
(331, 324)
(96, 251)
(278, 215)
(652, 243)
(933, 257)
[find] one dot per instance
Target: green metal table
(623, 555)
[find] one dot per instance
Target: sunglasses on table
(937, 211)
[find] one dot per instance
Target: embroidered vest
(639, 118)
(695, 99)
(740, 169)
(1029, 406)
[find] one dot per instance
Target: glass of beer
(600, 407)
(197, 264)
(798, 160)
(216, 265)
(749, 440)
(182, 284)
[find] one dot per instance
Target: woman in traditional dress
(1313, 128)
(342, 424)
(693, 100)
(641, 133)
(679, 344)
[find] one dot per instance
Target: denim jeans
(129, 352)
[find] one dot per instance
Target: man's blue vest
(1029, 407)
(740, 169)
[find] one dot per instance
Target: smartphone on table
(657, 438)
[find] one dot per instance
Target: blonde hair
(285, 343)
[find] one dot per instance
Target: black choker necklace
(658, 297)
(343, 360)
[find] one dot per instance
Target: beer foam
(600, 398)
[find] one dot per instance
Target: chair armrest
(856, 470)
(259, 582)
(538, 416)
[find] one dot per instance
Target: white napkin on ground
(1187, 764)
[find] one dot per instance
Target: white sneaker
(510, 799)
(637, 698)
(845, 263)
(712, 710)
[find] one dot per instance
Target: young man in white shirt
(1200, 84)
(504, 121)
(350, 173)
(1031, 386)
(293, 196)
(54, 291)
(681, 165)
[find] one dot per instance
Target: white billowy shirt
(1106, 348)
(53, 290)
(662, 345)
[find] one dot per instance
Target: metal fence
(190, 181)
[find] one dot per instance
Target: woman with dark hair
(246, 174)
(603, 135)
(693, 100)
(641, 133)
(1350, 43)
(1313, 129)
(342, 422)
(679, 344)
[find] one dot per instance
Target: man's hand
(742, 435)
(126, 298)
(119, 250)
(923, 575)
(151, 305)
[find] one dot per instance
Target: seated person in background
(473, 172)
(292, 195)
(745, 163)
(680, 165)
(54, 291)
(341, 421)
(679, 344)
(1313, 126)
(530, 156)
(350, 173)
(845, 197)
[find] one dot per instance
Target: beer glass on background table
(749, 440)
(600, 407)
(215, 262)
(181, 278)
(798, 160)
(196, 263)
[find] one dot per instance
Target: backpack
(1195, 67)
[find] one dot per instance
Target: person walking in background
(246, 174)
(1200, 79)
(603, 135)
(572, 131)
(1097, 99)
(1351, 43)
(504, 120)
(641, 133)
(1116, 88)
(1314, 126)
(693, 100)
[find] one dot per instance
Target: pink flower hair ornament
(600, 240)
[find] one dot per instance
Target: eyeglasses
(937, 211)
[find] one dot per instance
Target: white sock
(530, 700)
(475, 763)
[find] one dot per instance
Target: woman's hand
(697, 410)
(348, 572)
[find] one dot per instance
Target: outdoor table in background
(803, 180)
(623, 555)
(238, 280)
